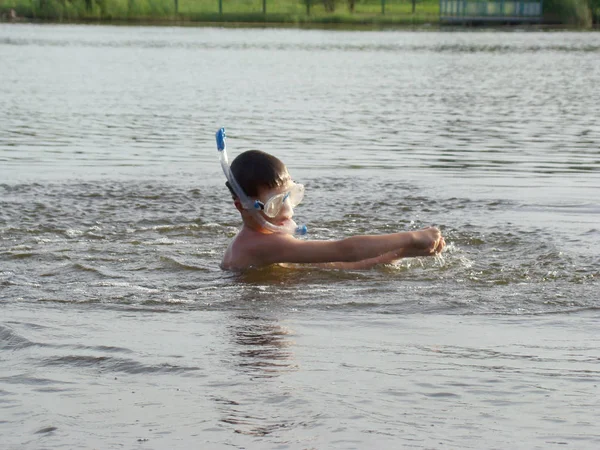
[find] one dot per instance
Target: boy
(264, 194)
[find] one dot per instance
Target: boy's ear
(238, 204)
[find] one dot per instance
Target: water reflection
(261, 353)
(262, 346)
(290, 275)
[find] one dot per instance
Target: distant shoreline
(252, 19)
(356, 25)
(426, 17)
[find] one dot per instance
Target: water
(119, 330)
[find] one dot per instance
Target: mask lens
(275, 203)
(296, 195)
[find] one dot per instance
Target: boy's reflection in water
(264, 346)
(258, 404)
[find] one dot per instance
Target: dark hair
(255, 169)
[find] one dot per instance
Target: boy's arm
(386, 258)
(284, 248)
(364, 264)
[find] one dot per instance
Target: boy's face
(286, 212)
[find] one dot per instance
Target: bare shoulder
(251, 249)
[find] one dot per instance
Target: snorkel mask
(272, 206)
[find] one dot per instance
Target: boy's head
(256, 171)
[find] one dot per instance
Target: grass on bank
(286, 11)
(569, 12)
(295, 11)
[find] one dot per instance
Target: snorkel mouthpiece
(253, 206)
(301, 230)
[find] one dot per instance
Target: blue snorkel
(252, 205)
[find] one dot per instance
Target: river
(118, 329)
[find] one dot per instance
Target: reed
(90, 9)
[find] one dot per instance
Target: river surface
(119, 330)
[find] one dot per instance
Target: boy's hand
(428, 241)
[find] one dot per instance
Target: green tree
(569, 12)
(595, 9)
